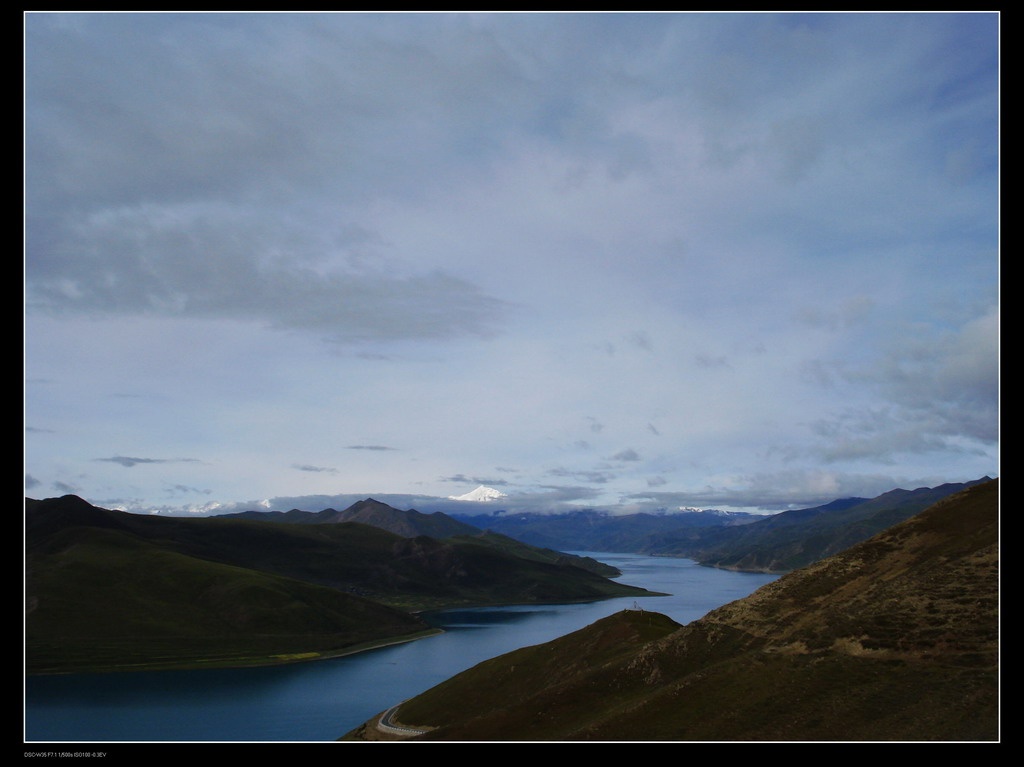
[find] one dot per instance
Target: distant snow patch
(482, 493)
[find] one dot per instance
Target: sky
(618, 261)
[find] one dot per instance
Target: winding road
(386, 724)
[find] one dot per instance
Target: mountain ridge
(776, 543)
(372, 512)
(790, 540)
(411, 523)
(895, 638)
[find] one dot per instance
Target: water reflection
(483, 617)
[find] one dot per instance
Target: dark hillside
(109, 589)
(99, 599)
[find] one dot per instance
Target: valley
(904, 622)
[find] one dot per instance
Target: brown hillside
(895, 638)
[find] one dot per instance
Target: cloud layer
(733, 258)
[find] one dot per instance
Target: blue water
(321, 701)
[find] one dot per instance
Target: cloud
(595, 477)
(712, 361)
(129, 462)
(760, 232)
(849, 312)
(939, 392)
(779, 491)
(316, 469)
(951, 376)
(640, 339)
(629, 454)
(463, 479)
(187, 490)
(31, 482)
(206, 260)
(184, 172)
(821, 373)
(882, 435)
(546, 499)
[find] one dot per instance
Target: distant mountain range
(776, 544)
(370, 512)
(793, 539)
(410, 523)
(894, 639)
(599, 531)
(109, 590)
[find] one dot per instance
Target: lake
(322, 700)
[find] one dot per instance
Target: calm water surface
(324, 700)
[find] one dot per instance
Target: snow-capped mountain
(712, 512)
(482, 493)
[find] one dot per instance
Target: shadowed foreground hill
(893, 639)
(101, 597)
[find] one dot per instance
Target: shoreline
(278, 659)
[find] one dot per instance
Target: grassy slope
(572, 666)
(894, 639)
